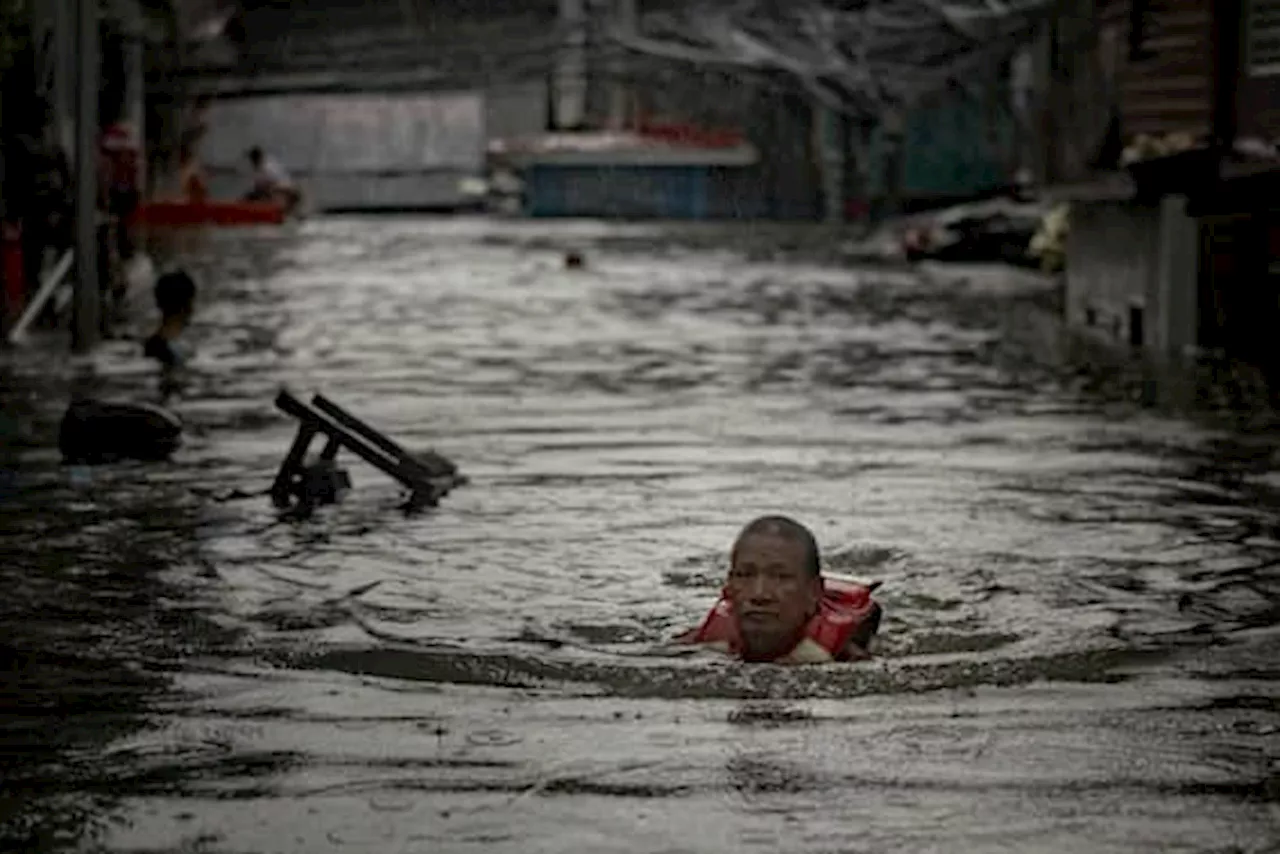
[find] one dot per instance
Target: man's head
(774, 584)
(255, 156)
(175, 295)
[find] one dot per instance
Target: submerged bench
(299, 483)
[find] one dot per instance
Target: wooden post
(1228, 67)
(822, 131)
(135, 99)
(85, 325)
(893, 136)
(64, 74)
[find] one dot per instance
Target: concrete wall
(1112, 263)
(1133, 273)
(516, 109)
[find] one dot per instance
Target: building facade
(1160, 128)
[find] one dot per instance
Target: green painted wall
(953, 148)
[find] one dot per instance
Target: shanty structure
(1161, 129)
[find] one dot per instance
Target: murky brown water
(1079, 654)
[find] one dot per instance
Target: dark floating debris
(302, 485)
(100, 431)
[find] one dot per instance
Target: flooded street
(1082, 632)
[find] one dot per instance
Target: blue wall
(641, 192)
(952, 149)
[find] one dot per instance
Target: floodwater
(1081, 585)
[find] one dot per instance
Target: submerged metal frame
(427, 483)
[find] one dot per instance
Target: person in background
(271, 183)
(175, 294)
(120, 191)
(191, 175)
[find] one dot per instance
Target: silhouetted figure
(175, 294)
(271, 182)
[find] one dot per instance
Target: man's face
(772, 592)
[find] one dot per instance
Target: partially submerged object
(99, 431)
(303, 485)
(993, 230)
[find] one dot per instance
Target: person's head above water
(175, 294)
(774, 584)
(255, 156)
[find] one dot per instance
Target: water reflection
(101, 601)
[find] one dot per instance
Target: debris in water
(303, 486)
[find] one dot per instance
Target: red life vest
(845, 607)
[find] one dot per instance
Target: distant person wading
(191, 175)
(271, 183)
(175, 294)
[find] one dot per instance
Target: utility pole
(64, 74)
(87, 303)
(626, 15)
(569, 104)
(831, 144)
(135, 105)
(893, 133)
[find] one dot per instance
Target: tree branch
(860, 57)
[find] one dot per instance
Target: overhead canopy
(860, 56)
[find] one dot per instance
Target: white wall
(352, 151)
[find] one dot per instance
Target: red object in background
(690, 135)
(856, 210)
(15, 285)
(121, 158)
(209, 212)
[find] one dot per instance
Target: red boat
(177, 214)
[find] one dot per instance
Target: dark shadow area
(102, 580)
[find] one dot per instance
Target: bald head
(785, 528)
